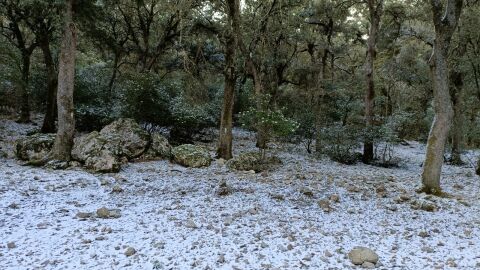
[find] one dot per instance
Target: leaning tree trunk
(225, 141)
(24, 99)
(66, 75)
(375, 10)
(445, 23)
(50, 114)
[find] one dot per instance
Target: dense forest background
(332, 75)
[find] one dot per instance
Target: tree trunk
(24, 100)
(50, 114)
(319, 103)
(375, 11)
(456, 78)
(225, 141)
(445, 23)
(66, 76)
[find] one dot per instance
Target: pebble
(130, 251)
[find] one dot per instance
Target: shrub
(341, 142)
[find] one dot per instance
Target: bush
(269, 121)
(145, 99)
(95, 106)
(341, 142)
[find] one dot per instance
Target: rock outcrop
(253, 161)
(34, 147)
(190, 155)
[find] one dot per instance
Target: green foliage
(340, 143)
(145, 99)
(270, 121)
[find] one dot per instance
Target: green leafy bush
(340, 143)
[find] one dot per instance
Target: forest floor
(173, 219)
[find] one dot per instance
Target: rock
(360, 255)
(11, 245)
(190, 155)
(191, 224)
(130, 251)
(223, 188)
(94, 150)
(104, 151)
(423, 205)
(253, 161)
(306, 191)
(108, 213)
(34, 147)
(83, 215)
(335, 198)
(159, 147)
(117, 189)
(325, 205)
(127, 137)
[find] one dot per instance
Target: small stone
(130, 251)
(306, 191)
(279, 197)
(83, 215)
(360, 255)
(223, 188)
(335, 198)
(36, 177)
(325, 205)
(103, 212)
(423, 234)
(117, 189)
(13, 206)
(221, 258)
(190, 224)
(11, 245)
(221, 161)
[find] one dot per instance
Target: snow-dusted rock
(253, 161)
(360, 255)
(126, 137)
(96, 153)
(159, 147)
(190, 155)
(103, 151)
(34, 147)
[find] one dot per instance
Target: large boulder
(159, 147)
(361, 255)
(96, 153)
(253, 161)
(190, 155)
(126, 138)
(34, 147)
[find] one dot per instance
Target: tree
(233, 27)
(445, 20)
(14, 29)
(66, 77)
(375, 10)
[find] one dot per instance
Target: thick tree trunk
(445, 24)
(50, 114)
(226, 121)
(66, 76)
(375, 11)
(24, 99)
(456, 78)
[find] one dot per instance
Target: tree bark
(50, 114)
(375, 9)
(445, 23)
(456, 78)
(66, 76)
(24, 99)
(225, 141)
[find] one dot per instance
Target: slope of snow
(174, 220)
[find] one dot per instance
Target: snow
(249, 229)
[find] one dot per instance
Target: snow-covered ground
(173, 218)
